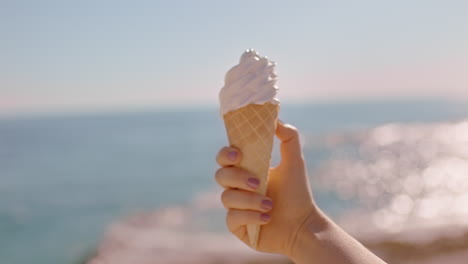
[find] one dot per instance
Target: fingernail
(253, 183)
(265, 217)
(267, 204)
(232, 155)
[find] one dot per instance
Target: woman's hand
(287, 205)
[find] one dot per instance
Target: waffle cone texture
(251, 129)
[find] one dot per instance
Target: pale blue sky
(57, 55)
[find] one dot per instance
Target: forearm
(322, 241)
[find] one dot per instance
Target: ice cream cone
(251, 129)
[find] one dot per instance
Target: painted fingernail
(232, 155)
(253, 183)
(267, 204)
(265, 217)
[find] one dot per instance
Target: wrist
(306, 235)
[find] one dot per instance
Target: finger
(237, 218)
(244, 200)
(290, 143)
(234, 177)
(228, 156)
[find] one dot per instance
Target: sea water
(64, 178)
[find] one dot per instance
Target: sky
(109, 54)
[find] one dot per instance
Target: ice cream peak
(252, 81)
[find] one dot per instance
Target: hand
(288, 202)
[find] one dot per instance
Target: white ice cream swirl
(252, 81)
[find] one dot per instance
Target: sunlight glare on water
(405, 175)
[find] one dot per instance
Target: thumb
(291, 151)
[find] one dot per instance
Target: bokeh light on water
(402, 176)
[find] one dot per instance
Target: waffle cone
(251, 129)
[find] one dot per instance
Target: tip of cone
(253, 232)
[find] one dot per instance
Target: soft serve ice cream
(250, 112)
(252, 81)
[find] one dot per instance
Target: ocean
(69, 181)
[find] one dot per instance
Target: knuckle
(218, 174)
(251, 199)
(231, 217)
(289, 134)
(223, 175)
(230, 220)
(290, 129)
(293, 132)
(225, 196)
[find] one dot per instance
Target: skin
(292, 224)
